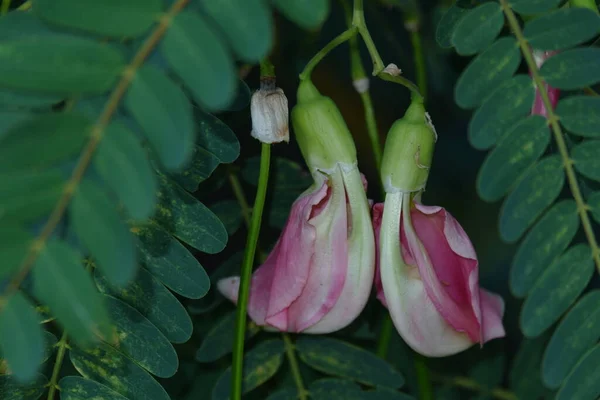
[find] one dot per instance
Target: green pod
(321, 131)
(408, 151)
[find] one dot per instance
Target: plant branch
(291, 355)
(582, 207)
(238, 192)
(5, 7)
(60, 355)
(412, 24)
(341, 38)
(358, 21)
(246, 273)
(96, 135)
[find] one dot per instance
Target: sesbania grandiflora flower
(269, 111)
(318, 277)
(427, 268)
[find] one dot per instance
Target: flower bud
(269, 110)
(408, 151)
(321, 131)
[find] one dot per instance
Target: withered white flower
(270, 115)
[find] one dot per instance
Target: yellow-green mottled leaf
(583, 383)
(260, 364)
(21, 337)
(556, 290)
(141, 340)
(115, 18)
(11, 389)
(112, 368)
(216, 137)
(201, 167)
(572, 69)
(14, 244)
(535, 191)
(155, 302)
(531, 7)
(524, 377)
(580, 115)
(230, 214)
(562, 28)
(518, 150)
(59, 64)
(488, 70)
(576, 333)
(447, 24)
(542, 245)
(585, 157)
(49, 342)
(171, 263)
(61, 282)
(78, 388)
(188, 219)
(338, 358)
(477, 29)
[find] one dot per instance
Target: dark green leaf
(489, 371)
(593, 201)
(577, 332)
(154, 302)
(14, 244)
(308, 14)
(42, 141)
(25, 99)
(557, 288)
(16, 25)
(531, 7)
(219, 340)
(518, 150)
(542, 245)
(260, 364)
(59, 63)
(478, 28)
(524, 375)
(342, 359)
(284, 394)
(49, 343)
(164, 113)
(247, 24)
(9, 119)
(580, 115)
(188, 219)
(216, 137)
(201, 59)
(202, 166)
(500, 111)
(99, 227)
(585, 157)
(230, 213)
(61, 282)
(21, 338)
(572, 69)
(170, 262)
(534, 192)
(29, 196)
(116, 18)
(334, 388)
(78, 388)
(141, 340)
(562, 29)
(447, 25)
(241, 99)
(11, 389)
(106, 365)
(488, 70)
(123, 164)
(583, 383)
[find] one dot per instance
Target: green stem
(582, 207)
(385, 334)
(96, 135)
(401, 81)
(238, 192)
(60, 355)
(291, 355)
(423, 378)
(266, 68)
(358, 21)
(246, 273)
(5, 7)
(421, 71)
(341, 38)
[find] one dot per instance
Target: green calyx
(320, 129)
(408, 151)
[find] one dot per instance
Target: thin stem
(266, 68)
(60, 355)
(423, 378)
(421, 71)
(470, 384)
(238, 192)
(582, 207)
(341, 38)
(399, 79)
(96, 135)
(383, 342)
(291, 355)
(5, 7)
(246, 273)
(358, 21)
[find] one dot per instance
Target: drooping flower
(427, 270)
(318, 277)
(269, 112)
(538, 107)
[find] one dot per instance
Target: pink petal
(377, 215)
(492, 310)
(329, 264)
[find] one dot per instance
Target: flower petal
(492, 310)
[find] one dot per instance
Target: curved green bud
(320, 129)
(408, 151)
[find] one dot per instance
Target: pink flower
(318, 277)
(427, 276)
(553, 93)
